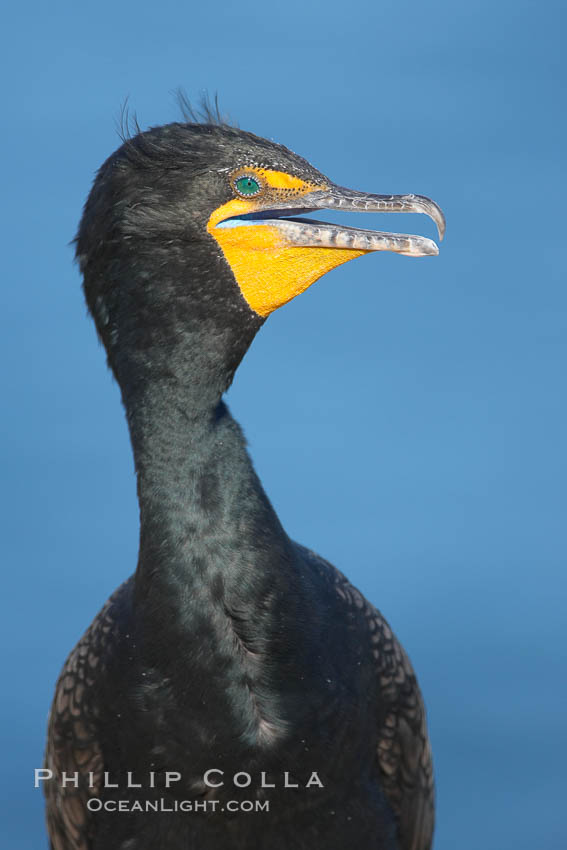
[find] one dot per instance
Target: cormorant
(235, 668)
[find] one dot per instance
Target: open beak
(303, 232)
(275, 253)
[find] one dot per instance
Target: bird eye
(247, 185)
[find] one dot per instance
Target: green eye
(247, 185)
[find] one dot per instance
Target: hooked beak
(303, 232)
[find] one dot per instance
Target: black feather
(231, 647)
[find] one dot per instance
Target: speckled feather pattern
(402, 763)
(73, 744)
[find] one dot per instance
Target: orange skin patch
(269, 269)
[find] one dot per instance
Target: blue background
(407, 417)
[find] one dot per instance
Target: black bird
(235, 669)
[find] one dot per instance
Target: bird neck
(205, 521)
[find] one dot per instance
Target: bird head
(194, 229)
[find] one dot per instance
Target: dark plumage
(232, 647)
